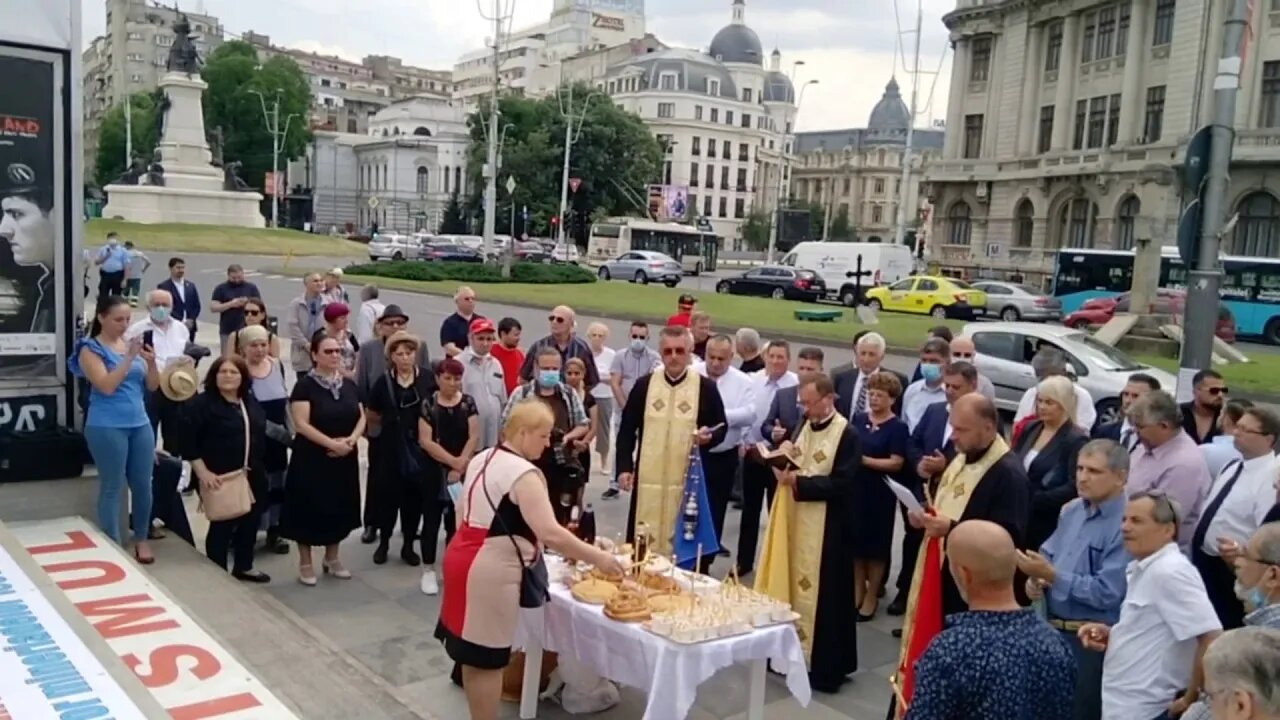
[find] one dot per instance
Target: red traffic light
(555, 221)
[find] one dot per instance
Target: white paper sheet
(905, 496)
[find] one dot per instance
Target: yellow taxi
(939, 297)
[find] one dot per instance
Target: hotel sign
(608, 22)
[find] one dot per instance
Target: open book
(782, 458)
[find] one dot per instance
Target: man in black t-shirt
(456, 328)
(228, 302)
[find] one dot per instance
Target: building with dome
(858, 172)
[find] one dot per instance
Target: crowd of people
(1057, 567)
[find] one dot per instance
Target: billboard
(668, 202)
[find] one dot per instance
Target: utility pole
(491, 158)
(776, 230)
(278, 135)
(904, 187)
(571, 136)
(128, 132)
(1204, 281)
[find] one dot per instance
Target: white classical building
(1068, 120)
(723, 117)
(400, 176)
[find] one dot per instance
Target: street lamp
(782, 155)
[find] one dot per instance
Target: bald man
(985, 481)
(455, 330)
(963, 349)
(562, 320)
(998, 660)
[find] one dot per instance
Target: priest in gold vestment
(985, 481)
(806, 559)
(666, 413)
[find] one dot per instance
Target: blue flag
(694, 525)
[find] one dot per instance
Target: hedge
(521, 272)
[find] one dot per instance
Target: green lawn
(1261, 376)
(221, 239)
(654, 303)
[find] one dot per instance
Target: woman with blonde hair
(506, 518)
(1048, 448)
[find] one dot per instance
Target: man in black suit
(1200, 416)
(1120, 430)
(781, 421)
(851, 383)
(186, 299)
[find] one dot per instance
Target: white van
(836, 263)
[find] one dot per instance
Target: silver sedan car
(393, 246)
(1005, 351)
(643, 266)
(1012, 302)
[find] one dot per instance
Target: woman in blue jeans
(116, 425)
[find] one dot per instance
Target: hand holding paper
(905, 496)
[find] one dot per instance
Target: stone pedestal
(193, 190)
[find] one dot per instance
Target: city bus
(695, 250)
(1250, 285)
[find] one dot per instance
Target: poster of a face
(28, 225)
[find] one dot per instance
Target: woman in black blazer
(1048, 449)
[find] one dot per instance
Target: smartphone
(147, 338)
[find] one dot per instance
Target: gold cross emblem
(684, 408)
(659, 405)
(804, 584)
(819, 457)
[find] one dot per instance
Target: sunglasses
(396, 322)
(1215, 391)
(677, 352)
(556, 319)
(331, 351)
(253, 312)
(639, 337)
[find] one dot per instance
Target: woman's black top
(449, 425)
(216, 435)
(400, 406)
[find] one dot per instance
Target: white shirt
(918, 397)
(1086, 414)
(764, 388)
(1153, 647)
(169, 342)
(857, 388)
(604, 366)
(181, 287)
(1218, 452)
(737, 392)
(370, 310)
(1243, 511)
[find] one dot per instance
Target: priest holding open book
(806, 560)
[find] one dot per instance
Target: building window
(1154, 122)
(972, 136)
(1106, 32)
(728, 149)
(1089, 36)
(879, 186)
(1046, 128)
(846, 187)
(711, 179)
(724, 207)
(739, 208)
(1053, 48)
(1082, 109)
(693, 204)
(696, 150)
(746, 95)
(135, 36)
(980, 60)
(1270, 95)
(444, 179)
(1162, 30)
(744, 152)
(1079, 218)
(1024, 224)
(713, 87)
(960, 223)
(728, 117)
(666, 110)
(742, 180)
(706, 205)
(697, 112)
(724, 177)
(877, 214)
(693, 174)
(667, 81)
(1113, 120)
(715, 114)
(666, 172)
(1122, 30)
(1257, 231)
(351, 125)
(1126, 216)
(422, 181)
(711, 148)
(457, 179)
(746, 121)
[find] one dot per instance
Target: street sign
(374, 202)
(1189, 232)
(511, 184)
(1196, 165)
(524, 213)
(574, 184)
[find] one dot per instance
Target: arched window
(457, 179)
(1126, 216)
(1076, 223)
(445, 177)
(959, 219)
(423, 178)
(1024, 224)
(1257, 231)
(421, 131)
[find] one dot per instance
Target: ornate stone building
(1068, 120)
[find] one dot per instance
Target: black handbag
(535, 581)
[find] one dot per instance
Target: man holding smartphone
(167, 338)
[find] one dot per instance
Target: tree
(840, 230)
(616, 156)
(453, 223)
(817, 219)
(110, 162)
(755, 230)
(234, 76)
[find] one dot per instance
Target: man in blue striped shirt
(112, 260)
(1080, 569)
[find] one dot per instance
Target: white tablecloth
(668, 672)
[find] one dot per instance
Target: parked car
(567, 253)
(392, 246)
(1005, 351)
(939, 297)
(1012, 302)
(643, 266)
(777, 282)
(453, 253)
(1099, 311)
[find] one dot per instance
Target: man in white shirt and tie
(851, 381)
(737, 391)
(756, 476)
(1238, 503)
(1122, 431)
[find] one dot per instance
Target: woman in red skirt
(505, 517)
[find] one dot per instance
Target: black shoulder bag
(534, 579)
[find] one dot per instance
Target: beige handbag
(233, 497)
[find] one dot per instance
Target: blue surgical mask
(931, 372)
(638, 345)
(548, 378)
(160, 313)
(1257, 598)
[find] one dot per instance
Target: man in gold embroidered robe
(806, 559)
(665, 414)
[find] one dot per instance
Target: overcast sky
(847, 45)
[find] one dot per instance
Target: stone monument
(182, 185)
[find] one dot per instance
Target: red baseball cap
(482, 325)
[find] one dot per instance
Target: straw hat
(179, 382)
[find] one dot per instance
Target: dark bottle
(574, 520)
(587, 525)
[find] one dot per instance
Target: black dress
(322, 493)
(400, 407)
(871, 532)
(451, 429)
